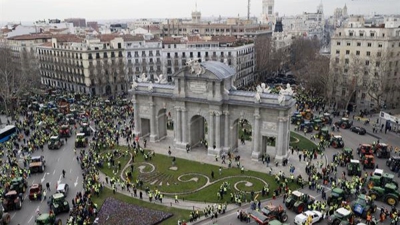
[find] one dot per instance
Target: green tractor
(388, 194)
(317, 124)
(323, 134)
(363, 205)
(58, 203)
(307, 127)
(341, 216)
(298, 202)
(55, 143)
(354, 168)
(47, 219)
(344, 123)
(85, 128)
(326, 118)
(81, 141)
(347, 154)
(337, 141)
(5, 218)
(381, 181)
(338, 195)
(297, 119)
(19, 185)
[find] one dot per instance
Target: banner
(389, 117)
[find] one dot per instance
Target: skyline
(91, 10)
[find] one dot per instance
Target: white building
(361, 56)
(268, 14)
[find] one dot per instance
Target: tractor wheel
(300, 208)
(391, 200)
(343, 126)
(6, 218)
(284, 218)
(23, 189)
(305, 130)
(373, 196)
(336, 222)
(58, 222)
(19, 205)
(334, 145)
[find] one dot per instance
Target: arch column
(136, 118)
(282, 143)
(218, 131)
(255, 154)
(184, 124)
(226, 132)
(153, 130)
(177, 127)
(211, 136)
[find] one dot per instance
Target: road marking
(59, 180)
(70, 170)
(44, 177)
(14, 215)
(58, 159)
(54, 172)
(76, 182)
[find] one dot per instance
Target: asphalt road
(56, 161)
(351, 140)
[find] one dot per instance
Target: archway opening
(198, 133)
(242, 132)
(108, 90)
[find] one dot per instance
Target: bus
(7, 132)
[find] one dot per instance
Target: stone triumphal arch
(202, 94)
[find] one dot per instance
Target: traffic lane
(230, 217)
(56, 161)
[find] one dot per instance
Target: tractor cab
(58, 203)
(381, 150)
(298, 201)
(368, 161)
(337, 141)
(393, 163)
(11, 201)
(81, 141)
(297, 119)
(55, 142)
(363, 205)
(47, 219)
(338, 195)
(307, 114)
(317, 124)
(344, 123)
(70, 119)
(354, 168)
(388, 178)
(307, 127)
(85, 128)
(365, 149)
(347, 154)
(326, 118)
(323, 134)
(65, 131)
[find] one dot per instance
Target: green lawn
(113, 171)
(187, 177)
(304, 143)
(178, 213)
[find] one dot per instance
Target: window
(361, 34)
(348, 44)
(369, 44)
(347, 52)
(380, 45)
(345, 70)
(372, 34)
(368, 53)
(358, 44)
(346, 61)
(379, 54)
(377, 64)
(338, 43)
(357, 52)
(340, 33)
(351, 34)
(367, 62)
(337, 51)
(337, 60)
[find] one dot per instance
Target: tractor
(307, 127)
(298, 202)
(381, 150)
(35, 191)
(65, 131)
(341, 216)
(368, 161)
(326, 118)
(58, 203)
(12, 201)
(381, 181)
(317, 124)
(388, 194)
(363, 205)
(354, 168)
(337, 141)
(307, 114)
(275, 213)
(70, 119)
(5, 218)
(37, 164)
(55, 143)
(297, 119)
(338, 195)
(19, 185)
(81, 141)
(47, 219)
(347, 155)
(85, 128)
(323, 134)
(344, 123)
(365, 149)
(393, 163)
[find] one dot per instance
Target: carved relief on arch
(269, 126)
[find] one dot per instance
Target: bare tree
(8, 76)
(356, 68)
(316, 76)
(303, 51)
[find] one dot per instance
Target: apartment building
(361, 56)
(237, 53)
(92, 65)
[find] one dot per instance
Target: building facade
(365, 62)
(93, 66)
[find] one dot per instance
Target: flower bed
(117, 212)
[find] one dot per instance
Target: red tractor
(381, 150)
(368, 162)
(365, 149)
(65, 131)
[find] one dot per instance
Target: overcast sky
(32, 10)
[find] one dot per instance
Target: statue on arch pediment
(160, 79)
(143, 78)
(195, 67)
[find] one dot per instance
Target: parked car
(359, 130)
(301, 218)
